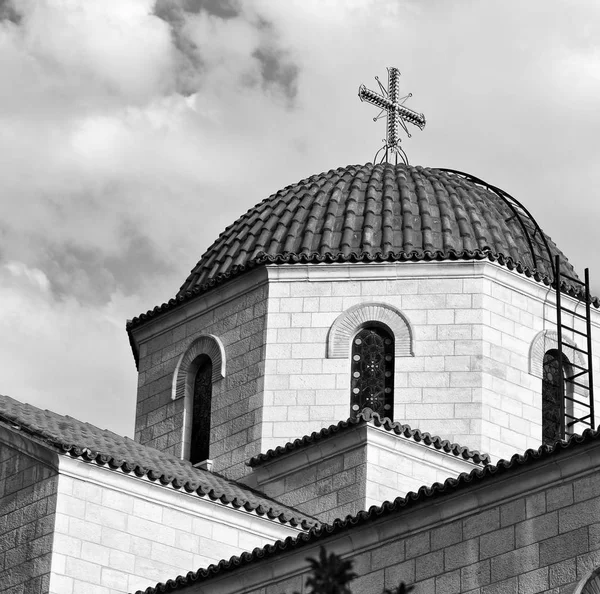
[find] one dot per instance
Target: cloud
(57, 354)
(8, 12)
(133, 131)
(202, 32)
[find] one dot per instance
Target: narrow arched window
(201, 408)
(553, 401)
(372, 384)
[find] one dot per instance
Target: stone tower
(421, 279)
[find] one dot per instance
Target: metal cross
(397, 115)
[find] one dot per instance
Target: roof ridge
(368, 416)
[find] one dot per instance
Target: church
(389, 361)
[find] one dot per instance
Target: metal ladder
(582, 407)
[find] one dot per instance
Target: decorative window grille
(553, 402)
(201, 408)
(372, 384)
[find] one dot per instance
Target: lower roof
(388, 508)
(103, 447)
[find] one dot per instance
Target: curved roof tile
(366, 416)
(379, 211)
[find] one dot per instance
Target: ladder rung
(572, 377)
(578, 384)
(585, 369)
(573, 313)
(580, 420)
(571, 346)
(568, 425)
(573, 330)
(585, 404)
(575, 280)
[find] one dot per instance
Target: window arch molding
(188, 363)
(590, 584)
(545, 341)
(347, 324)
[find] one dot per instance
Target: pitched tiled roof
(88, 442)
(422, 497)
(375, 213)
(369, 416)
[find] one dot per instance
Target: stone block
(462, 554)
(497, 542)
(475, 575)
(534, 581)
(564, 546)
(84, 571)
(448, 583)
(579, 514)
(535, 504)
(512, 512)
(429, 565)
(446, 535)
(562, 573)
(560, 496)
(390, 555)
(587, 562)
(536, 529)
(417, 545)
(516, 562)
(481, 523)
(587, 487)
(510, 586)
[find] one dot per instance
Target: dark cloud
(92, 276)
(275, 67)
(8, 12)
(173, 11)
(277, 70)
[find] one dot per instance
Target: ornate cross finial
(397, 115)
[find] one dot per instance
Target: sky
(132, 132)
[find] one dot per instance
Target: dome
(381, 212)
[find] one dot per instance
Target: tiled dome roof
(378, 212)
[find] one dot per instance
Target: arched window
(201, 409)
(553, 402)
(372, 383)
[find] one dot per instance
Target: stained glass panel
(200, 442)
(552, 400)
(372, 382)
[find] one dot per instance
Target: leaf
(330, 574)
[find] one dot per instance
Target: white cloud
(131, 136)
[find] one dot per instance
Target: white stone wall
(352, 470)
(397, 465)
(468, 381)
(115, 533)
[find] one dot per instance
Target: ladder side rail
(561, 379)
(588, 314)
